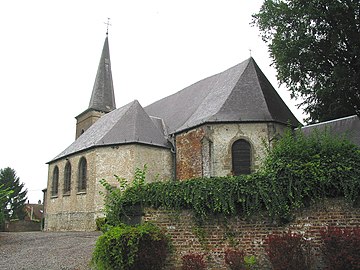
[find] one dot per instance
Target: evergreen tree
(13, 203)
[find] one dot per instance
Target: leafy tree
(13, 203)
(315, 47)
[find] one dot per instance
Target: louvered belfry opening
(241, 157)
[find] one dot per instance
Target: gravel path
(46, 250)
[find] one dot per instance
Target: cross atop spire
(107, 26)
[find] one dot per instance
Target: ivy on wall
(297, 171)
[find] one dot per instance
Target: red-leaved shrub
(288, 251)
(193, 261)
(234, 258)
(341, 248)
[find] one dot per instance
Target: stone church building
(218, 126)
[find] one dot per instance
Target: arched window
(82, 174)
(55, 182)
(67, 178)
(241, 157)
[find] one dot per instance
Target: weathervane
(250, 52)
(107, 26)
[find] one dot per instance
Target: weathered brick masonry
(189, 158)
(216, 235)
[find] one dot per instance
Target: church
(218, 126)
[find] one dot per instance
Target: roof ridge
(237, 80)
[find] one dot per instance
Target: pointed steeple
(103, 98)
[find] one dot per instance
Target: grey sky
(50, 52)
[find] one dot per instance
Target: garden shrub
(131, 248)
(193, 261)
(288, 251)
(341, 248)
(234, 258)
(100, 223)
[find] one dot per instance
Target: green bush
(300, 169)
(100, 223)
(131, 248)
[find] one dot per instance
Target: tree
(4, 193)
(315, 48)
(13, 203)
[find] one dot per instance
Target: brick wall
(216, 235)
(188, 154)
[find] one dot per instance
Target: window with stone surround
(55, 182)
(241, 157)
(82, 181)
(67, 178)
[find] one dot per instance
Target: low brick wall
(217, 234)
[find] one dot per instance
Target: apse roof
(239, 94)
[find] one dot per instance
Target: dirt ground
(46, 250)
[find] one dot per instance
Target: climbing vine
(297, 171)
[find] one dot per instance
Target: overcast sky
(50, 51)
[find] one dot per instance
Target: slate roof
(348, 126)
(239, 94)
(128, 124)
(102, 97)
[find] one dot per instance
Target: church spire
(103, 98)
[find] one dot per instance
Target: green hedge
(131, 248)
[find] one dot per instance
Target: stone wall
(216, 235)
(78, 210)
(206, 150)
(22, 226)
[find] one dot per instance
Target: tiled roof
(239, 94)
(128, 124)
(348, 126)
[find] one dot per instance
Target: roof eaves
(185, 129)
(108, 145)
